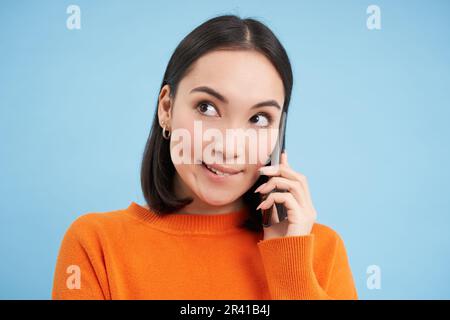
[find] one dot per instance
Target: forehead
(240, 75)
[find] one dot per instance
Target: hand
(301, 214)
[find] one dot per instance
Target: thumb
(283, 158)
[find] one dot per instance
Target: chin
(218, 200)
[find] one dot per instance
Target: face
(224, 91)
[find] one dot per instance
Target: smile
(220, 170)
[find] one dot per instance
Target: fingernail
(260, 187)
(260, 205)
(268, 169)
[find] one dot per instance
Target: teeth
(219, 173)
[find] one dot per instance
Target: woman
(200, 233)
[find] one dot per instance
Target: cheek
(253, 173)
(182, 141)
(196, 139)
(259, 152)
(182, 147)
(184, 120)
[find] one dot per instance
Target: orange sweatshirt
(135, 254)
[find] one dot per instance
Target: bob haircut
(226, 32)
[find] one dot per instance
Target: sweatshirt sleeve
(290, 263)
(80, 271)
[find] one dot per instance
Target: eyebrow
(211, 91)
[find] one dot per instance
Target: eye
(261, 119)
(207, 109)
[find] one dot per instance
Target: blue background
(368, 125)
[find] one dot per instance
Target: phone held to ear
(275, 160)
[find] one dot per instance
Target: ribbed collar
(189, 222)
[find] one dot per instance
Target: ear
(165, 105)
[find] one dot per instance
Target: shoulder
(91, 225)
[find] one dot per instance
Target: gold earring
(165, 136)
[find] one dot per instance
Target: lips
(221, 170)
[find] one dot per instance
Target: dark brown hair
(222, 32)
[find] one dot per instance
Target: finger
(271, 211)
(280, 170)
(295, 213)
(274, 218)
(273, 215)
(281, 183)
(283, 158)
(287, 172)
(285, 198)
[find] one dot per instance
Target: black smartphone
(275, 160)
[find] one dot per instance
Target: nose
(232, 148)
(228, 152)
